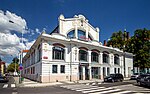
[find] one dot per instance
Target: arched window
(83, 55)
(116, 59)
(81, 34)
(105, 57)
(58, 53)
(94, 57)
(71, 34)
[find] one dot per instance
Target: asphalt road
(9, 87)
(128, 87)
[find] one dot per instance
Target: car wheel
(139, 83)
(121, 80)
(113, 80)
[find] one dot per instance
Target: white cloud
(9, 51)
(9, 39)
(24, 39)
(29, 44)
(10, 43)
(11, 22)
(37, 31)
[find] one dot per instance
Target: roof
(55, 30)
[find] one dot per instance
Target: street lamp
(15, 66)
(124, 61)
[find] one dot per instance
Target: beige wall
(55, 78)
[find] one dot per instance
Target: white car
(134, 76)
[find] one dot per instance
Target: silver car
(134, 76)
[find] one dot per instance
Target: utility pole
(124, 38)
(15, 66)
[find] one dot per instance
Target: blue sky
(108, 15)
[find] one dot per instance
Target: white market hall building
(72, 52)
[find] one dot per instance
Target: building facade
(72, 51)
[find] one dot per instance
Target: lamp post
(15, 66)
(124, 61)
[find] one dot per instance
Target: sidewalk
(30, 83)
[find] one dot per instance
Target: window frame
(58, 53)
(54, 70)
(94, 57)
(105, 58)
(84, 54)
(116, 60)
(62, 68)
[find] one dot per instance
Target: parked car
(114, 78)
(144, 79)
(134, 76)
(3, 79)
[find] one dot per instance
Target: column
(83, 69)
(101, 72)
(110, 60)
(50, 52)
(86, 33)
(101, 58)
(76, 30)
(90, 73)
(89, 57)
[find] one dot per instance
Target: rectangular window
(115, 70)
(62, 69)
(54, 68)
(108, 71)
(104, 72)
(118, 70)
(39, 53)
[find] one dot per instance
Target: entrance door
(80, 73)
(95, 72)
(86, 73)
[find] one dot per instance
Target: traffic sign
(20, 64)
(20, 67)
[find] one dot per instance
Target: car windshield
(136, 73)
(112, 75)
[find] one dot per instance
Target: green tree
(139, 45)
(117, 40)
(11, 67)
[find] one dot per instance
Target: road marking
(122, 92)
(13, 85)
(99, 83)
(14, 93)
(97, 90)
(93, 83)
(102, 92)
(5, 86)
(79, 88)
(90, 88)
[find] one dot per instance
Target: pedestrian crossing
(9, 86)
(95, 83)
(90, 89)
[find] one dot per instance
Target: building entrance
(95, 72)
(83, 72)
